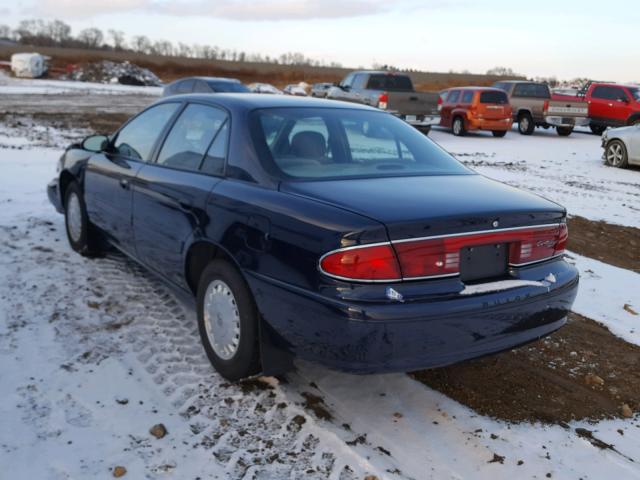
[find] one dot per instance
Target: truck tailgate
(566, 108)
(413, 103)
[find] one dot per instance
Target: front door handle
(124, 183)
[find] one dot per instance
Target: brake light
(373, 263)
(545, 107)
(439, 102)
(383, 101)
(435, 257)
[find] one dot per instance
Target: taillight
(383, 100)
(545, 107)
(439, 102)
(440, 256)
(374, 263)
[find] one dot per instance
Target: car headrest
(308, 144)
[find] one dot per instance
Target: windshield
(312, 143)
(235, 87)
(636, 93)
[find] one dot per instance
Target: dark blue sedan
(324, 230)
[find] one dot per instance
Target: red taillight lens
(545, 107)
(378, 262)
(440, 256)
(383, 100)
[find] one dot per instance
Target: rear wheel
(634, 121)
(499, 133)
(83, 237)
(458, 127)
(228, 321)
(525, 124)
(597, 129)
(564, 131)
(616, 154)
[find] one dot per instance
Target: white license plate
(411, 118)
(575, 110)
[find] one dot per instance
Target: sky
(561, 38)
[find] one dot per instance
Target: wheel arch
(633, 118)
(523, 111)
(199, 254)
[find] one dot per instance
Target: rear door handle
(124, 183)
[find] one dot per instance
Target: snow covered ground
(93, 353)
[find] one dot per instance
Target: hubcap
(524, 124)
(74, 218)
(222, 319)
(456, 127)
(615, 154)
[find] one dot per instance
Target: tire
(231, 338)
(424, 130)
(597, 129)
(83, 237)
(634, 121)
(525, 124)
(499, 133)
(458, 127)
(564, 131)
(615, 154)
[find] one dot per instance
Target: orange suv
(475, 108)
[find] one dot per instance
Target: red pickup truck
(611, 105)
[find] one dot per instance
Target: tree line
(56, 33)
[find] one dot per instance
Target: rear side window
(136, 139)
(494, 97)
(185, 86)
(454, 96)
(389, 82)
(191, 136)
(502, 86)
(609, 93)
(467, 96)
(534, 90)
(359, 81)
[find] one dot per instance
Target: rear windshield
(390, 82)
(235, 87)
(536, 90)
(494, 97)
(313, 143)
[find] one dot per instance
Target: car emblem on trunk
(495, 224)
(393, 294)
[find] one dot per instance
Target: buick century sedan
(318, 229)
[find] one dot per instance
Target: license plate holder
(483, 262)
(411, 118)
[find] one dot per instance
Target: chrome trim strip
(431, 277)
(479, 232)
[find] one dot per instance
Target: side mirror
(95, 143)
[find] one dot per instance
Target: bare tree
(59, 32)
(141, 44)
(117, 39)
(91, 37)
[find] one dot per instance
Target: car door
(599, 104)
(620, 105)
(109, 174)
(170, 193)
(448, 106)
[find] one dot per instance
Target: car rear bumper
(420, 120)
(559, 121)
(368, 337)
(53, 192)
(488, 124)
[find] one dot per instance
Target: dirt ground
(582, 371)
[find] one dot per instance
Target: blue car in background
(324, 230)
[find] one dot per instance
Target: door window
(137, 138)
(186, 86)
(359, 81)
(214, 160)
(191, 136)
(454, 96)
(347, 81)
(609, 93)
(467, 96)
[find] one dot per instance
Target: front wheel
(564, 131)
(616, 154)
(499, 133)
(525, 124)
(228, 321)
(458, 127)
(83, 237)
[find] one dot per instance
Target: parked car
(612, 105)
(295, 89)
(622, 146)
(326, 230)
(264, 88)
(475, 108)
(533, 106)
(204, 85)
(392, 92)
(320, 89)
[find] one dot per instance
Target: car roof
(492, 89)
(252, 101)
(216, 79)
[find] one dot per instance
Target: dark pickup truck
(392, 92)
